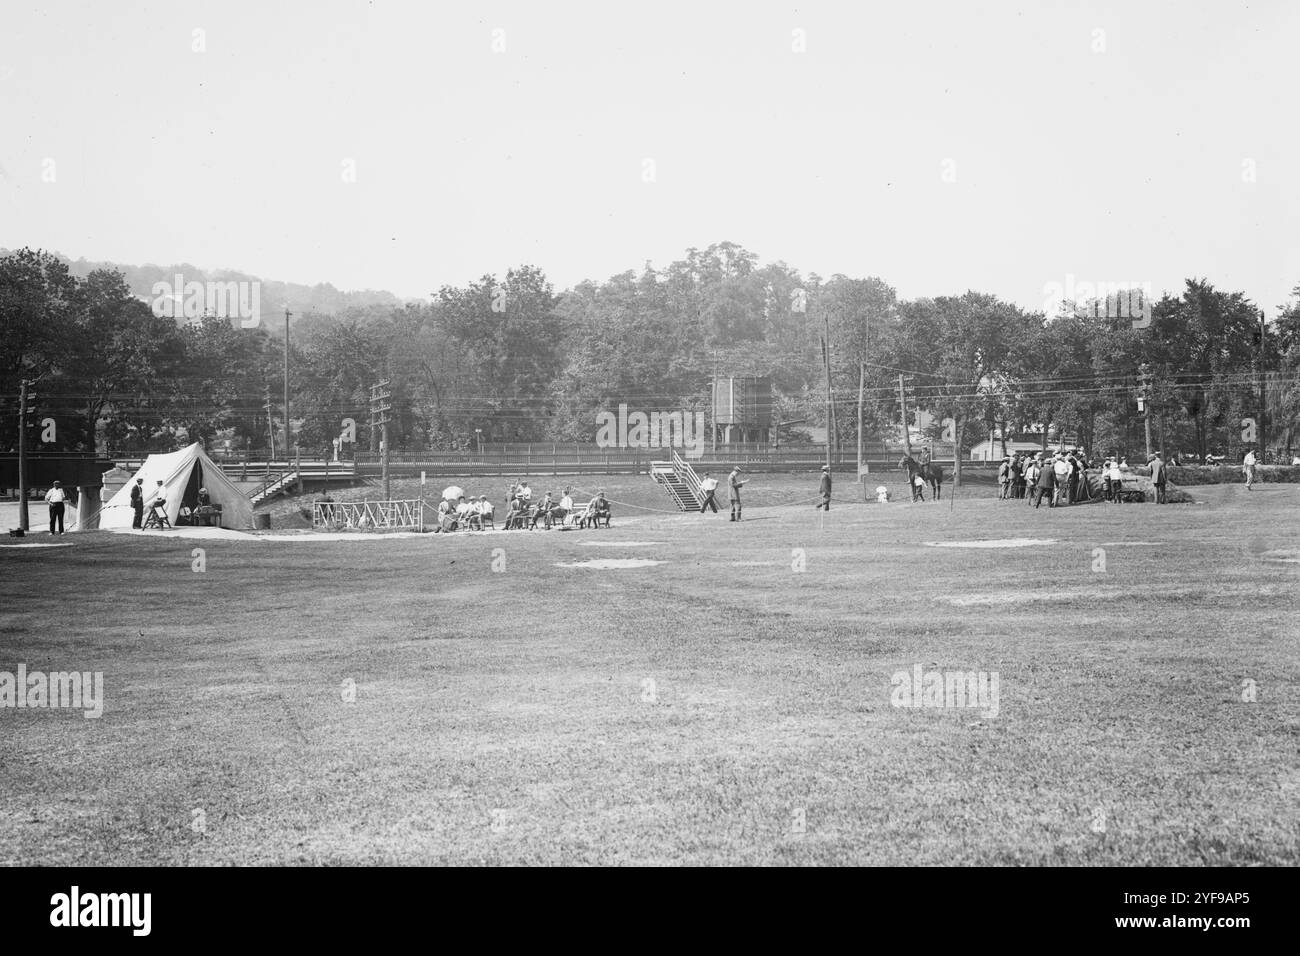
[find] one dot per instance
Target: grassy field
(718, 707)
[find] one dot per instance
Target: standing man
(1031, 478)
(56, 497)
(1061, 479)
(1159, 476)
(1046, 478)
(824, 489)
(708, 485)
(734, 484)
(1004, 477)
(1248, 466)
(137, 503)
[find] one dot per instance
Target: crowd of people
(1061, 478)
(523, 513)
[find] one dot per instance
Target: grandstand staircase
(680, 481)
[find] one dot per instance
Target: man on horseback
(927, 472)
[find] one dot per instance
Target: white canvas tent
(182, 474)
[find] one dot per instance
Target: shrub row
(1230, 474)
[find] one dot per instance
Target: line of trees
(511, 359)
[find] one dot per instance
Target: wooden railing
(368, 515)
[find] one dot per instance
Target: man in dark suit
(1046, 480)
(824, 489)
(137, 503)
(1159, 477)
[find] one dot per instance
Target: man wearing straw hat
(734, 484)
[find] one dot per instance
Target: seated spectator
(473, 517)
(485, 509)
(159, 504)
(446, 516)
(515, 514)
(543, 512)
(565, 508)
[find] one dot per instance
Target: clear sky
(1134, 141)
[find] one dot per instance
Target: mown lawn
(720, 707)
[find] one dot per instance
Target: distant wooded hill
(300, 299)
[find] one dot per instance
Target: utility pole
(23, 398)
(902, 407)
(830, 397)
(862, 391)
(1144, 402)
(714, 413)
(270, 420)
(287, 442)
(1263, 393)
(379, 409)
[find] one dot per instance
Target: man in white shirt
(56, 498)
(158, 504)
(1248, 466)
(474, 513)
(709, 485)
(1031, 477)
(566, 506)
(1060, 468)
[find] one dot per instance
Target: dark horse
(930, 473)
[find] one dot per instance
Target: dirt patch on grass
(620, 544)
(612, 564)
(992, 543)
(1047, 596)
